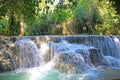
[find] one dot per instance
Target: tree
(19, 10)
(110, 19)
(85, 16)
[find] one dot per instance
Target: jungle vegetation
(59, 17)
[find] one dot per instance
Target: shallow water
(48, 72)
(37, 74)
(34, 74)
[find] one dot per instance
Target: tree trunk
(21, 25)
(12, 24)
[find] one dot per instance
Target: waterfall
(69, 54)
(77, 58)
(109, 45)
(27, 54)
(75, 54)
(67, 57)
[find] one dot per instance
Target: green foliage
(4, 26)
(86, 16)
(43, 17)
(116, 5)
(47, 23)
(41, 26)
(110, 19)
(14, 9)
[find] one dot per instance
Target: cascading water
(27, 55)
(67, 58)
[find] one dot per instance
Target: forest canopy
(59, 17)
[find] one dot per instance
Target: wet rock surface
(9, 53)
(6, 50)
(70, 63)
(97, 57)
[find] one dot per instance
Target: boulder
(97, 57)
(70, 62)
